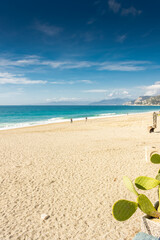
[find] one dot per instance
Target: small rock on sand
(44, 216)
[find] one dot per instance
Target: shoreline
(61, 121)
(73, 173)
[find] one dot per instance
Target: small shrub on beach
(124, 209)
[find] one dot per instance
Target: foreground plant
(124, 209)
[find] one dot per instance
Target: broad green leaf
(146, 183)
(146, 206)
(124, 209)
(129, 185)
(155, 158)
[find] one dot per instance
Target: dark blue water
(19, 116)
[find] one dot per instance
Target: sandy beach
(73, 173)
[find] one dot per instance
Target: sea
(24, 116)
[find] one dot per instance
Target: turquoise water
(20, 116)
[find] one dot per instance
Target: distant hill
(145, 100)
(113, 101)
(138, 101)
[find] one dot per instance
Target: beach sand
(73, 173)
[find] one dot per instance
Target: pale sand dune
(73, 173)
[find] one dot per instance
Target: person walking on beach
(71, 120)
(86, 119)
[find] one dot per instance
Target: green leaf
(129, 185)
(146, 183)
(155, 158)
(146, 206)
(158, 176)
(124, 209)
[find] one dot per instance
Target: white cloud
(133, 11)
(8, 78)
(62, 99)
(110, 66)
(59, 83)
(72, 82)
(54, 64)
(85, 81)
(29, 60)
(26, 62)
(68, 64)
(119, 93)
(152, 89)
(47, 29)
(114, 6)
(111, 94)
(96, 91)
(124, 66)
(80, 64)
(125, 92)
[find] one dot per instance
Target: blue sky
(78, 50)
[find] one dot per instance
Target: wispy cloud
(132, 10)
(110, 66)
(114, 6)
(119, 93)
(111, 93)
(67, 64)
(125, 92)
(58, 82)
(63, 82)
(24, 62)
(126, 66)
(47, 29)
(86, 81)
(72, 82)
(8, 78)
(29, 60)
(121, 38)
(62, 99)
(95, 91)
(54, 64)
(7, 64)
